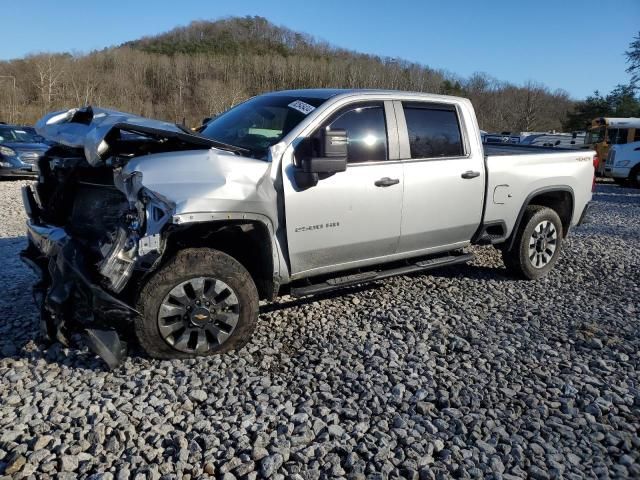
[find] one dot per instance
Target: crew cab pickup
(143, 222)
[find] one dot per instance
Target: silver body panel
(513, 178)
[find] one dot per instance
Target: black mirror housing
(333, 153)
(332, 158)
(334, 143)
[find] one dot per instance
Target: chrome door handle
(386, 182)
(470, 174)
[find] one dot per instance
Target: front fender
(280, 270)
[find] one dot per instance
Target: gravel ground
(464, 373)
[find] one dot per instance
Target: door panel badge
(319, 226)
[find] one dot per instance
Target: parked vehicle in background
(606, 131)
(623, 164)
(563, 140)
(504, 137)
(142, 221)
(20, 149)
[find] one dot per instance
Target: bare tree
(49, 69)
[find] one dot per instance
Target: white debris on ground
(465, 372)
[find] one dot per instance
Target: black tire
(634, 177)
(191, 264)
(518, 259)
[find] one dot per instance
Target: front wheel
(537, 244)
(202, 302)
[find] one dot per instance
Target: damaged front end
(94, 231)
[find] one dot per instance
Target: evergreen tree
(633, 59)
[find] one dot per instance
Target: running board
(365, 277)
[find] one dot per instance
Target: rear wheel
(537, 244)
(202, 302)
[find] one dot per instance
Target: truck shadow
(18, 313)
(496, 274)
(20, 336)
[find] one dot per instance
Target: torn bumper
(69, 298)
(66, 268)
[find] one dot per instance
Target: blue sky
(577, 45)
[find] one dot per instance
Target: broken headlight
(119, 259)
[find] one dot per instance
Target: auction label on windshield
(302, 107)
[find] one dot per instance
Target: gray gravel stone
(270, 465)
(198, 395)
(68, 463)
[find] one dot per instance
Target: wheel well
(249, 242)
(561, 201)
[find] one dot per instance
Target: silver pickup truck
(143, 223)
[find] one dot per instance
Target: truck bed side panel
(512, 179)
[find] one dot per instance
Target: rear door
(444, 179)
(353, 217)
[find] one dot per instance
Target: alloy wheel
(198, 315)
(542, 244)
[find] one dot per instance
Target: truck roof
(327, 93)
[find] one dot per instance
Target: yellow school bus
(606, 131)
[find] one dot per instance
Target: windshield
(594, 135)
(19, 135)
(260, 122)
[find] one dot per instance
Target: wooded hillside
(202, 69)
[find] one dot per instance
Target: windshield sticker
(302, 107)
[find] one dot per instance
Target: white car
(623, 164)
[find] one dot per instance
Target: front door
(351, 217)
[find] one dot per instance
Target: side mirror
(332, 158)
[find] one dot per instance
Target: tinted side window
(367, 133)
(433, 131)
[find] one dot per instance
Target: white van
(623, 164)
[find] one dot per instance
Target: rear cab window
(434, 130)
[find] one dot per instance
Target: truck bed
(499, 149)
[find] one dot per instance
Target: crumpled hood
(88, 128)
